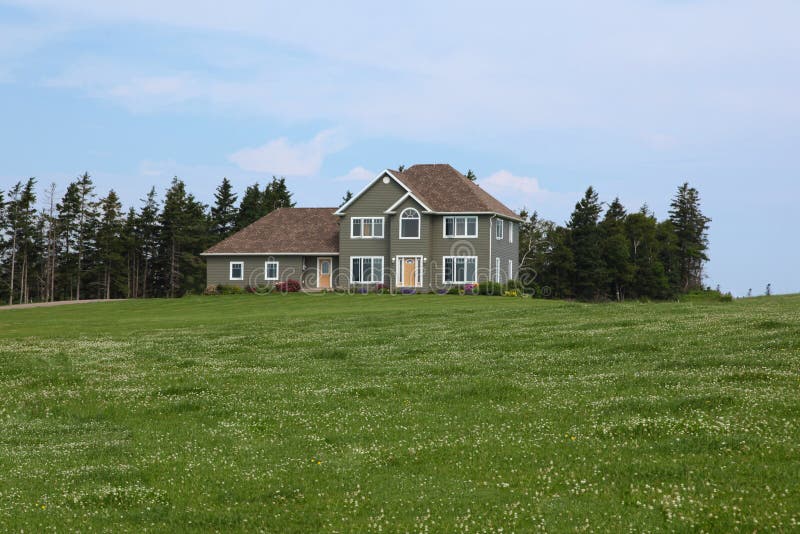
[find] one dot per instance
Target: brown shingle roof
(285, 230)
(442, 188)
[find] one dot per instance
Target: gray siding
(301, 268)
(372, 203)
(412, 247)
(506, 250)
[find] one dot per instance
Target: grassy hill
(445, 413)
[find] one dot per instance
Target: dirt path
(57, 303)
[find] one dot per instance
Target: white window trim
(497, 270)
(419, 227)
(510, 270)
(444, 270)
(373, 258)
(277, 270)
(510, 232)
(455, 235)
(420, 269)
(352, 225)
(498, 229)
(230, 270)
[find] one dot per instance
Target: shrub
(453, 291)
(229, 290)
(289, 286)
(512, 293)
(490, 288)
(514, 285)
(470, 289)
(706, 295)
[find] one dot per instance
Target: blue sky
(540, 99)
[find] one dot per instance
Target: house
(427, 227)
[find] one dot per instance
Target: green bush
(229, 290)
(490, 288)
(454, 291)
(706, 295)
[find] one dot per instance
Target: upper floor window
(498, 229)
(510, 232)
(366, 227)
(461, 226)
(409, 224)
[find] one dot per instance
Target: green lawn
(401, 413)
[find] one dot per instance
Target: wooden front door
(324, 273)
(409, 272)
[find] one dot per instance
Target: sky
(539, 99)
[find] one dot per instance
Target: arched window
(409, 224)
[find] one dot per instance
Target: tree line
(81, 246)
(606, 253)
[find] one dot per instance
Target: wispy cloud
(356, 174)
(280, 156)
(526, 192)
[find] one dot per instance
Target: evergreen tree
(68, 210)
(223, 213)
(131, 245)
(183, 236)
(535, 249)
(21, 223)
(471, 175)
(78, 224)
(558, 273)
(691, 228)
(109, 259)
(276, 195)
(251, 208)
(147, 238)
(590, 280)
(649, 276)
(346, 198)
(615, 253)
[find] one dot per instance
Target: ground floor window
(460, 269)
(237, 270)
(510, 270)
(271, 270)
(366, 269)
(497, 269)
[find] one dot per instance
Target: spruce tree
(471, 175)
(346, 198)
(251, 207)
(691, 228)
(147, 234)
(109, 253)
(276, 195)
(615, 253)
(223, 213)
(649, 276)
(590, 280)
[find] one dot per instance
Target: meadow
(326, 413)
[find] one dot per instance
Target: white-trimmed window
(510, 232)
(497, 269)
(237, 270)
(510, 270)
(366, 269)
(460, 269)
(461, 226)
(366, 227)
(270, 270)
(409, 224)
(498, 229)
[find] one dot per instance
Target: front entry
(409, 271)
(324, 273)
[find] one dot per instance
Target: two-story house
(427, 227)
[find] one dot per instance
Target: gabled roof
(444, 189)
(285, 231)
(439, 188)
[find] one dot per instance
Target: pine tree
(108, 261)
(615, 253)
(590, 280)
(691, 228)
(276, 195)
(649, 276)
(251, 207)
(223, 213)
(21, 223)
(471, 175)
(78, 224)
(147, 234)
(183, 236)
(346, 198)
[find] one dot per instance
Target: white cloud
(356, 174)
(280, 156)
(526, 192)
